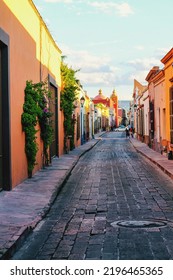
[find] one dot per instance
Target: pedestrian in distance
(127, 132)
(131, 132)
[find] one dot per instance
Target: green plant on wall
(44, 118)
(68, 96)
(29, 122)
(36, 111)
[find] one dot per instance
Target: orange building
(114, 103)
(167, 60)
(27, 52)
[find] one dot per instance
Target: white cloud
(59, 1)
(139, 76)
(144, 64)
(160, 52)
(101, 72)
(123, 9)
(94, 71)
(100, 79)
(141, 67)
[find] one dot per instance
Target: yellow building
(103, 114)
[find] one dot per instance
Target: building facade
(106, 111)
(167, 60)
(157, 104)
(27, 53)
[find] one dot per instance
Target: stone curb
(158, 163)
(152, 160)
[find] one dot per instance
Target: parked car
(120, 128)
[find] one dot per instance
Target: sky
(111, 43)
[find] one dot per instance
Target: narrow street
(113, 206)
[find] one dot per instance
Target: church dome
(100, 96)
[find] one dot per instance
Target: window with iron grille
(151, 120)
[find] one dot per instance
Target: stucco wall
(33, 55)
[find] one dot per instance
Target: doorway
(54, 119)
(5, 150)
(0, 119)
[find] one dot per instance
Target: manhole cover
(139, 224)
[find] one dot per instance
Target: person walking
(127, 132)
(131, 132)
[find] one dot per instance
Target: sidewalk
(22, 208)
(160, 160)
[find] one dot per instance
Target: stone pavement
(111, 184)
(22, 208)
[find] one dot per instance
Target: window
(151, 120)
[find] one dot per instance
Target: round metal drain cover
(139, 224)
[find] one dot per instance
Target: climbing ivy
(36, 111)
(68, 96)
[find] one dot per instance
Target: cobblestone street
(111, 183)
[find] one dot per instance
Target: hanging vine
(68, 96)
(36, 111)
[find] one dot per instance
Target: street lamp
(82, 101)
(135, 107)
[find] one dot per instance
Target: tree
(68, 96)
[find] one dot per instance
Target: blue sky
(111, 42)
